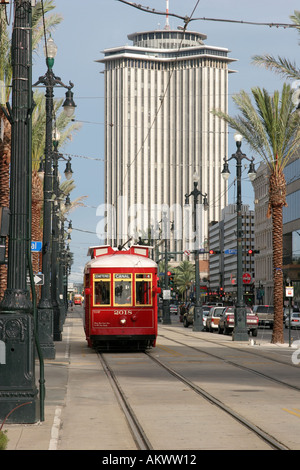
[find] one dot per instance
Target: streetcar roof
(106, 256)
(121, 260)
(101, 250)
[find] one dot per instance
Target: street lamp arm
(50, 80)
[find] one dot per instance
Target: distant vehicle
(212, 320)
(265, 314)
(188, 316)
(226, 322)
(295, 320)
(77, 299)
(174, 309)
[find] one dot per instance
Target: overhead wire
(188, 19)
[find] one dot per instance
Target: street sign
(247, 278)
(36, 246)
(166, 295)
(231, 251)
(289, 291)
(38, 279)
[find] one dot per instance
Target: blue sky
(91, 26)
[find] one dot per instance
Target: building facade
(223, 264)
(263, 233)
(161, 135)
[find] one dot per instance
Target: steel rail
(240, 366)
(270, 440)
(136, 429)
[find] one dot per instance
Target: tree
(281, 65)
(272, 131)
(184, 275)
(66, 128)
(5, 88)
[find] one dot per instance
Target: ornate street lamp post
(240, 332)
(18, 392)
(45, 307)
(198, 320)
(58, 306)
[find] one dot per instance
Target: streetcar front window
(143, 289)
(123, 289)
(101, 289)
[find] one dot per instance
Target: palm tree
(184, 275)
(281, 65)
(272, 131)
(5, 88)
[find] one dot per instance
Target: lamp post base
(240, 332)
(166, 313)
(45, 332)
(18, 392)
(198, 321)
(57, 323)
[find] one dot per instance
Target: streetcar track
(270, 440)
(240, 366)
(272, 359)
(136, 429)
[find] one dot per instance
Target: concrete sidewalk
(81, 412)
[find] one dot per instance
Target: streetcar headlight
(123, 321)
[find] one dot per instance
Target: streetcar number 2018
(122, 312)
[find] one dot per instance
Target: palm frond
(271, 128)
(281, 65)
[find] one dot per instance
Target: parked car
(265, 314)
(174, 309)
(212, 320)
(226, 322)
(188, 317)
(295, 320)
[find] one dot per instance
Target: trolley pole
(18, 392)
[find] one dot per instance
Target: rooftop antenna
(167, 15)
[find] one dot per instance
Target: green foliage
(3, 440)
(270, 126)
(184, 275)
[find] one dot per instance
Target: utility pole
(18, 391)
(166, 293)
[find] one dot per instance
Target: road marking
(169, 350)
(293, 412)
(55, 429)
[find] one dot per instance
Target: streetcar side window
(102, 289)
(143, 284)
(122, 289)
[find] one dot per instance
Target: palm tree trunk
(36, 226)
(277, 336)
(5, 151)
(277, 193)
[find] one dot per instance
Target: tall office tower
(160, 134)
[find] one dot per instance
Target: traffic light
(252, 252)
(214, 252)
(171, 280)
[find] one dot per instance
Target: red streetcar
(120, 298)
(77, 299)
